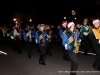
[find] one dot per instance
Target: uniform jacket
(28, 34)
(37, 35)
(70, 46)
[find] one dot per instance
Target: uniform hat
(41, 25)
(64, 23)
(70, 24)
(95, 21)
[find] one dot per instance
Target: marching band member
(47, 29)
(33, 33)
(36, 34)
(16, 35)
(12, 39)
(42, 38)
(85, 32)
(62, 31)
(27, 35)
(4, 31)
(94, 36)
(68, 43)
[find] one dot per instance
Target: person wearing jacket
(94, 36)
(68, 43)
(41, 38)
(62, 31)
(28, 35)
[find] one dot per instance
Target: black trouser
(97, 58)
(38, 47)
(74, 62)
(48, 48)
(29, 46)
(14, 45)
(66, 55)
(42, 54)
(19, 46)
(5, 41)
(63, 48)
(86, 40)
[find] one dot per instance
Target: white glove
(36, 41)
(12, 37)
(99, 41)
(66, 46)
(80, 40)
(85, 33)
(27, 34)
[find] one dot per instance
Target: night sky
(49, 8)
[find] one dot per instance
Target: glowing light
(75, 18)
(16, 22)
(30, 20)
(64, 17)
(14, 19)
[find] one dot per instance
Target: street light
(14, 19)
(30, 20)
(64, 17)
(75, 18)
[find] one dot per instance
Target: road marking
(88, 53)
(1, 52)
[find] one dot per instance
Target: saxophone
(76, 44)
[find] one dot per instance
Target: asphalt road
(20, 64)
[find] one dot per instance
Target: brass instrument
(76, 44)
(42, 38)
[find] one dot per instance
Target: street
(20, 64)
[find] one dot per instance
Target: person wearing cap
(27, 35)
(85, 32)
(94, 36)
(62, 31)
(41, 38)
(68, 43)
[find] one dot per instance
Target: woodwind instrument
(76, 43)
